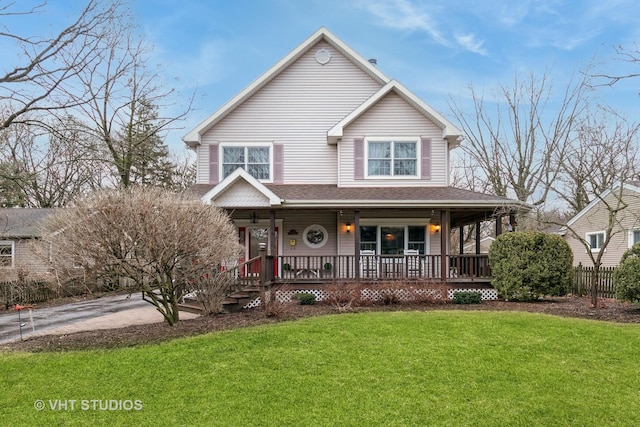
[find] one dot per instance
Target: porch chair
(368, 264)
(414, 267)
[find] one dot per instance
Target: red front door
(250, 238)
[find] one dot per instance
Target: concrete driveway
(102, 313)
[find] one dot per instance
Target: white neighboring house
(591, 224)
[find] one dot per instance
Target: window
(7, 250)
(634, 237)
(392, 158)
(315, 236)
(595, 240)
(393, 239)
(254, 159)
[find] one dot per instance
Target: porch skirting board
(373, 294)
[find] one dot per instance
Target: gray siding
(29, 260)
(393, 117)
(296, 109)
(595, 220)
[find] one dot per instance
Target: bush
(467, 297)
(626, 278)
(305, 298)
(526, 265)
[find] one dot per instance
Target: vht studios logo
(88, 405)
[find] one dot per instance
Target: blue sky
(436, 48)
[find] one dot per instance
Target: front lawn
(404, 368)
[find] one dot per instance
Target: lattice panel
(377, 294)
(487, 294)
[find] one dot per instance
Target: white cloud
(469, 42)
(403, 15)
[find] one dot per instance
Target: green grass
(405, 368)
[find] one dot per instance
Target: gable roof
(595, 202)
(22, 222)
(192, 139)
(449, 132)
(240, 175)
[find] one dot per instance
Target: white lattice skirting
(375, 294)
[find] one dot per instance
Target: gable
(241, 194)
(193, 138)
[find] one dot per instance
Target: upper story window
(595, 240)
(634, 237)
(7, 251)
(392, 158)
(256, 160)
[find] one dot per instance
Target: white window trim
(630, 237)
(416, 140)
(400, 222)
(586, 237)
(222, 146)
(13, 252)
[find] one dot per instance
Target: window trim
(222, 146)
(592, 233)
(393, 140)
(11, 243)
(314, 245)
(400, 222)
(630, 237)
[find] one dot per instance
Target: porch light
(348, 227)
(436, 228)
(254, 218)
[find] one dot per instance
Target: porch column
(272, 234)
(444, 243)
(356, 238)
(461, 243)
(477, 237)
(498, 225)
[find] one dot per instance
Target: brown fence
(34, 291)
(582, 281)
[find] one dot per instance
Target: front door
(250, 238)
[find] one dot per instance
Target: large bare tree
(43, 75)
(159, 243)
(130, 108)
(515, 138)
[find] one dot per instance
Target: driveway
(101, 313)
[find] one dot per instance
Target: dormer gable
(449, 132)
(241, 189)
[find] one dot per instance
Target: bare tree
(515, 146)
(602, 154)
(44, 75)
(161, 243)
(597, 168)
(127, 101)
(47, 170)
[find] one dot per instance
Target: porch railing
(327, 267)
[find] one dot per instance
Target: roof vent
(373, 61)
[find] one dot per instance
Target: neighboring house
(329, 162)
(590, 225)
(485, 244)
(19, 235)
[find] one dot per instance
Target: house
(19, 232)
(594, 223)
(340, 171)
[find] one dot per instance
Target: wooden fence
(582, 281)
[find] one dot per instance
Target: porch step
(190, 307)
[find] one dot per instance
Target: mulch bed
(608, 310)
